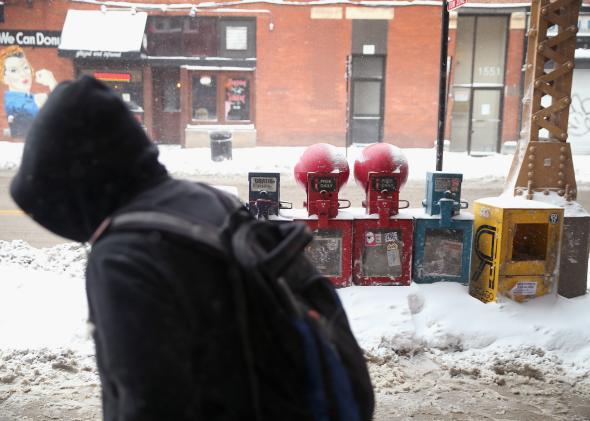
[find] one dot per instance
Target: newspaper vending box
(382, 246)
(442, 233)
(322, 171)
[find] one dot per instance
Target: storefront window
(164, 35)
(237, 99)
(126, 82)
(201, 36)
(236, 38)
(221, 97)
(205, 97)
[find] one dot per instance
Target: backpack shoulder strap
(199, 233)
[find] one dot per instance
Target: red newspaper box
(322, 171)
(382, 244)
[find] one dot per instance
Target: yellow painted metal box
(516, 247)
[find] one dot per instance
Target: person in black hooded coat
(165, 329)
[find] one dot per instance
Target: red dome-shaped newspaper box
(321, 158)
(381, 158)
(382, 245)
(322, 171)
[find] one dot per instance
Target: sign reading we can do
(47, 39)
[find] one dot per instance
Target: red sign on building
(454, 4)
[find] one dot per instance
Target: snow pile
(67, 258)
(45, 347)
(443, 319)
(570, 209)
(10, 155)
(41, 309)
(43, 304)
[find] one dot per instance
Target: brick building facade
(292, 73)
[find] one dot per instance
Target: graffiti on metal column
(485, 259)
(579, 119)
(21, 105)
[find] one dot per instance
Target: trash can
(220, 145)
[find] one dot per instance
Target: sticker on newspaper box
(267, 184)
(484, 212)
(370, 239)
(393, 258)
(524, 288)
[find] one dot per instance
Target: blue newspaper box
(442, 233)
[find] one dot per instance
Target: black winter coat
(167, 344)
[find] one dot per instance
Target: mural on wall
(20, 104)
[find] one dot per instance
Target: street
(14, 225)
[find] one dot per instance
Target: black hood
(84, 157)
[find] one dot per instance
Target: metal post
(442, 86)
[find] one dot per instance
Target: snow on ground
(541, 347)
(197, 161)
(45, 346)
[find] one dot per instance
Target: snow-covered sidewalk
(414, 336)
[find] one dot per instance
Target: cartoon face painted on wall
(18, 74)
(20, 105)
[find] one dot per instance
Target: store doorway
(366, 81)
(166, 121)
(478, 84)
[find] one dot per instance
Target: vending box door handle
(464, 205)
(343, 203)
(406, 202)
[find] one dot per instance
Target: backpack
(302, 359)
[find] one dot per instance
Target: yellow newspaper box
(516, 244)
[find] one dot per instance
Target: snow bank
(43, 305)
(42, 297)
(443, 317)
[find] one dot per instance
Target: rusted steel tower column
(545, 164)
(542, 167)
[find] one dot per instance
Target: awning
(102, 35)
